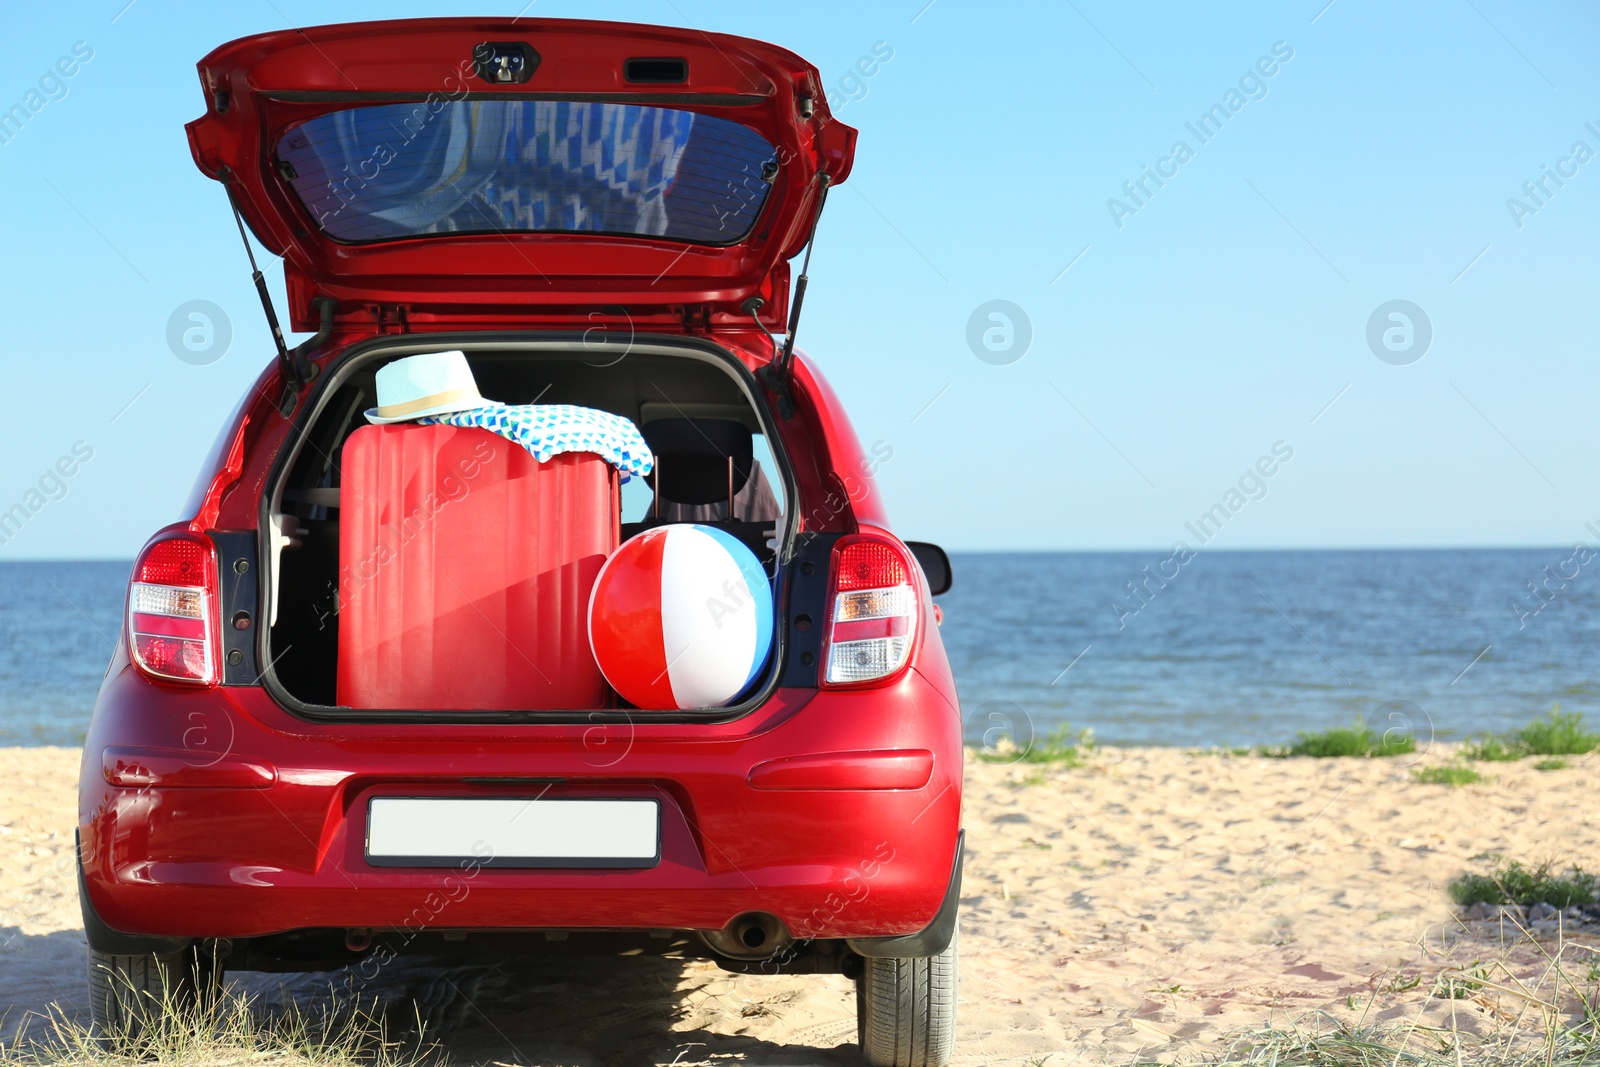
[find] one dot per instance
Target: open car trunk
(458, 176)
(310, 587)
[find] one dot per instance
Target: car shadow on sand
(581, 1010)
(40, 973)
(570, 1011)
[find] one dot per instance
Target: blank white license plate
(512, 832)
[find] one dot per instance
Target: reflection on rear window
(497, 166)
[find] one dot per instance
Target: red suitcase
(465, 568)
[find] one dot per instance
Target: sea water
(1227, 648)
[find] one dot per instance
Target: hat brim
(440, 409)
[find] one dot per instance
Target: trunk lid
(540, 169)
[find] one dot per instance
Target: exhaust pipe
(358, 939)
(755, 935)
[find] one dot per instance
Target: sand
(1145, 904)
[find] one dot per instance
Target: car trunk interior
(643, 382)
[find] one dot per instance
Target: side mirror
(935, 565)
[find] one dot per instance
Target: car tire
(906, 1009)
(130, 994)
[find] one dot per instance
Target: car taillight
(173, 632)
(872, 611)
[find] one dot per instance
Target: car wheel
(906, 1009)
(130, 994)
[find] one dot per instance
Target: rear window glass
(528, 166)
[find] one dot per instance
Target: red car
(596, 214)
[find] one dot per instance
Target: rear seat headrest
(692, 458)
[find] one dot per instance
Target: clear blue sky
(1221, 316)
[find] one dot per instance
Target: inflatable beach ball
(681, 617)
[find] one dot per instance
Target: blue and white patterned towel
(547, 429)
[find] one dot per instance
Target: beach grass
(1559, 733)
(1323, 1041)
(1514, 882)
(1453, 775)
(1356, 740)
(1500, 1014)
(229, 1031)
(1061, 747)
(1245, 751)
(1490, 749)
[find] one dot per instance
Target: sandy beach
(1140, 906)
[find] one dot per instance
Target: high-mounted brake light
(173, 629)
(873, 610)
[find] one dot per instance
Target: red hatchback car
(595, 214)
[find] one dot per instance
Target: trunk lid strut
(775, 375)
(295, 368)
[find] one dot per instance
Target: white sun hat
(429, 383)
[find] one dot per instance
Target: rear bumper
(214, 814)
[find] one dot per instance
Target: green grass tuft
(1462, 984)
(1061, 747)
(1558, 734)
(1453, 776)
(1490, 749)
(1357, 739)
(1513, 882)
(1552, 764)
